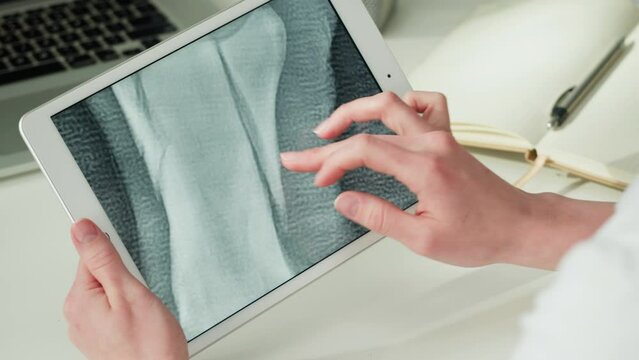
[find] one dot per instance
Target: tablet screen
(184, 158)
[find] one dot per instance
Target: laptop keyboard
(76, 34)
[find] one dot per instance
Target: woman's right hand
(466, 215)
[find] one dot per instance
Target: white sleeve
(592, 309)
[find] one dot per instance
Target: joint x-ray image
(184, 158)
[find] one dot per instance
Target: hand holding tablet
(111, 314)
(168, 152)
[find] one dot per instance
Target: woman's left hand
(111, 314)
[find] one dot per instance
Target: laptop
(48, 47)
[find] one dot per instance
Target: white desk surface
(386, 303)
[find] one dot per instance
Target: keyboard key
(8, 39)
(79, 10)
(150, 42)
(11, 26)
(147, 21)
(54, 28)
(146, 8)
(30, 72)
(31, 33)
(22, 48)
(67, 50)
(107, 55)
(80, 61)
(92, 32)
(122, 13)
(34, 20)
(150, 31)
(59, 7)
(90, 45)
(69, 37)
(19, 61)
(46, 42)
(77, 23)
(114, 40)
(56, 17)
(43, 55)
(100, 18)
(131, 52)
(11, 17)
(101, 6)
(115, 27)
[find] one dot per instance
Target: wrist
(551, 225)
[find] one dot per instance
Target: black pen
(573, 97)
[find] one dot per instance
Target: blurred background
(386, 303)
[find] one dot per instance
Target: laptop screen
(184, 158)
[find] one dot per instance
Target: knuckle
(437, 170)
(411, 95)
(415, 97)
(331, 162)
(314, 152)
(443, 141)
(440, 98)
(388, 99)
(342, 109)
(101, 258)
(363, 141)
(410, 169)
(378, 218)
(430, 163)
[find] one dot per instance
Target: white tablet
(175, 154)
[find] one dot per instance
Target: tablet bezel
(79, 201)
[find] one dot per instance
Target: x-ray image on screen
(184, 158)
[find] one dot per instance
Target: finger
(84, 280)
(378, 215)
(85, 287)
(370, 152)
(387, 107)
(311, 160)
(433, 107)
(100, 258)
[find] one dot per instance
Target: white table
(386, 303)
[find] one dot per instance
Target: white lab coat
(592, 309)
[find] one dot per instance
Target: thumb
(378, 215)
(100, 257)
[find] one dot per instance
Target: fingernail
(85, 231)
(285, 156)
(321, 129)
(347, 204)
